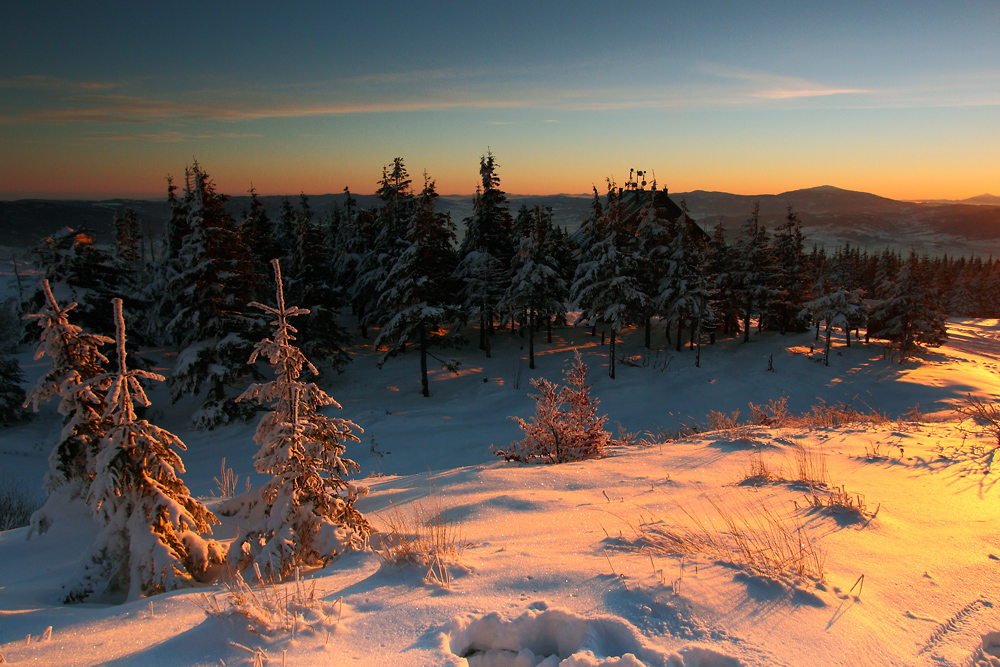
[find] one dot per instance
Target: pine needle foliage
(305, 514)
(76, 360)
(151, 537)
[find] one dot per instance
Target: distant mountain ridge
(830, 216)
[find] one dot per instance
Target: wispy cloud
(133, 109)
(168, 136)
(52, 83)
(789, 94)
(769, 86)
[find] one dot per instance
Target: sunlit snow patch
(558, 638)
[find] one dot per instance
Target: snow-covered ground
(627, 560)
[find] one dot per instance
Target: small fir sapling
(76, 361)
(566, 426)
(305, 514)
(151, 537)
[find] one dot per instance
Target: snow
(549, 566)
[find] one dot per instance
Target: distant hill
(982, 200)
(830, 216)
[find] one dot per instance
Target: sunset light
(512, 334)
(745, 99)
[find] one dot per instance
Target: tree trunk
(649, 327)
(424, 387)
(697, 344)
(611, 354)
(548, 329)
(482, 329)
(826, 351)
(531, 339)
(746, 325)
(680, 338)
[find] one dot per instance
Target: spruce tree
(791, 287)
(418, 293)
(606, 285)
(677, 299)
(305, 514)
(214, 280)
(486, 250)
(128, 239)
(908, 316)
(536, 286)
(257, 233)
(76, 361)
(753, 271)
(151, 540)
(391, 220)
(654, 234)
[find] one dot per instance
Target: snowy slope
(562, 564)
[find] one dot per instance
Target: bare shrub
(272, 608)
(225, 483)
(758, 539)
(17, 503)
(775, 413)
(424, 536)
(810, 465)
(731, 425)
(986, 418)
(720, 421)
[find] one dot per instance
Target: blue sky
(901, 99)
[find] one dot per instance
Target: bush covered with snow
(566, 426)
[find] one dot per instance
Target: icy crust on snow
(559, 638)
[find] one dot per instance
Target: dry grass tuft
(810, 465)
(272, 608)
(837, 415)
(758, 539)
(840, 500)
(424, 536)
(760, 471)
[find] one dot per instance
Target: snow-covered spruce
(305, 514)
(536, 288)
(908, 316)
(207, 283)
(76, 361)
(566, 426)
(606, 285)
(151, 537)
(486, 250)
(417, 293)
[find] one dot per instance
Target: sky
(898, 99)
